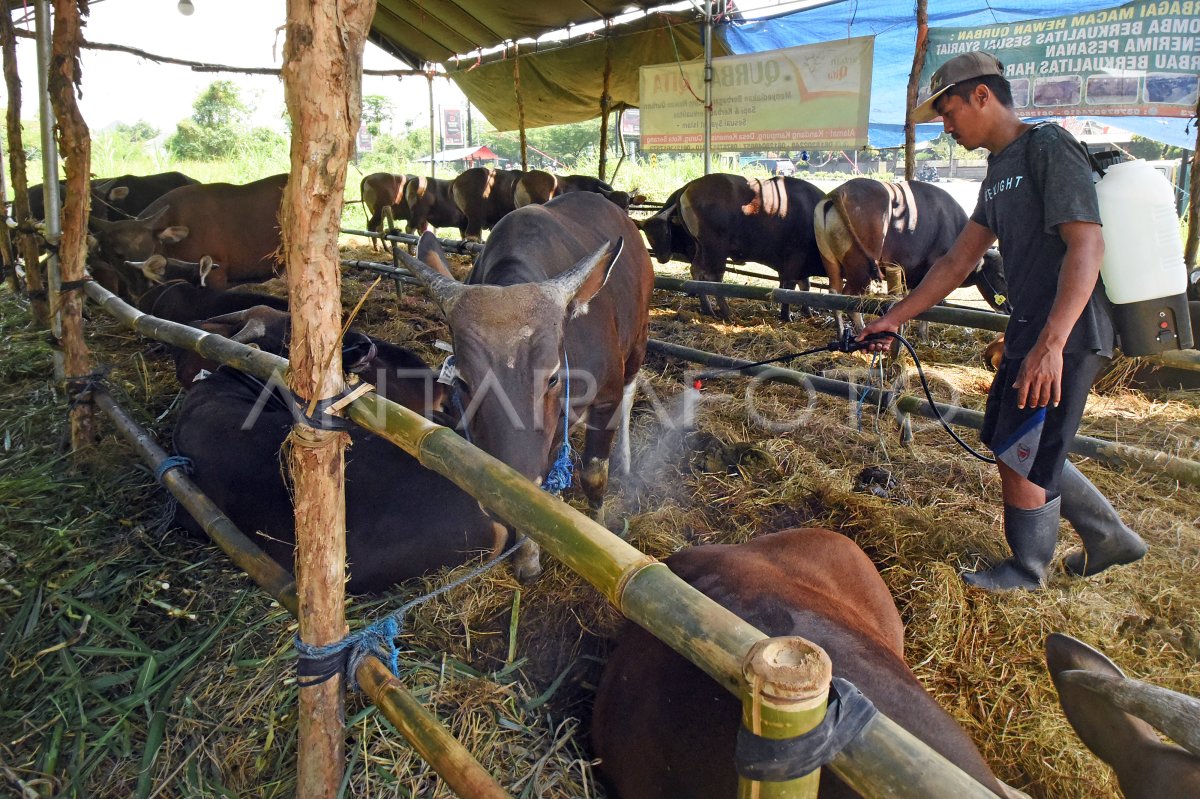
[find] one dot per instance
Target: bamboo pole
(322, 73)
(962, 317)
(644, 590)
(1110, 452)
(914, 78)
(63, 79)
(465, 776)
(605, 100)
(34, 278)
(520, 106)
(432, 137)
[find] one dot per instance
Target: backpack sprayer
(1143, 272)
(846, 342)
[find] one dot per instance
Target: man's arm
(946, 274)
(1040, 379)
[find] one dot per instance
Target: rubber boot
(1107, 541)
(1031, 534)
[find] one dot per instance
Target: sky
(119, 87)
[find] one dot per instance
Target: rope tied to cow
(781, 759)
(317, 664)
(558, 479)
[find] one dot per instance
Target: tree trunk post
(63, 80)
(322, 74)
(914, 77)
(8, 259)
(34, 279)
(605, 101)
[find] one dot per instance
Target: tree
(218, 126)
(139, 131)
(376, 109)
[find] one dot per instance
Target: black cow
(402, 519)
(669, 239)
(127, 196)
(485, 196)
(430, 205)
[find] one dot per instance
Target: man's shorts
(1034, 442)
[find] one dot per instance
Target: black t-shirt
(1040, 180)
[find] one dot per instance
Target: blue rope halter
(558, 479)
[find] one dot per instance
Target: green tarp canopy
(559, 82)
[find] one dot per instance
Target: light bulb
(186, 8)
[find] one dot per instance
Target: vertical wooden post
(322, 74)
(76, 146)
(432, 137)
(605, 100)
(8, 255)
(914, 77)
(520, 105)
(1193, 231)
(788, 687)
(35, 281)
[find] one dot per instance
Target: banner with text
(453, 131)
(817, 97)
(1139, 59)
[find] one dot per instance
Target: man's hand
(1039, 381)
(884, 324)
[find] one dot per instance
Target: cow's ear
(155, 268)
(430, 253)
(118, 193)
(173, 234)
(637, 199)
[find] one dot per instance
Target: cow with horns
(383, 198)
(863, 225)
(554, 299)
(663, 728)
(538, 186)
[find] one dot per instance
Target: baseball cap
(956, 70)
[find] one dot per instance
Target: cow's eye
(553, 380)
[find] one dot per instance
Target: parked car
(776, 166)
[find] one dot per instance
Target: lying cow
(402, 520)
(430, 205)
(383, 195)
(663, 728)
(1117, 719)
(669, 239)
(181, 301)
(539, 187)
(235, 226)
(485, 195)
(554, 293)
(747, 219)
(864, 223)
(125, 197)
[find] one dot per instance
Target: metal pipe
(432, 138)
(50, 195)
(1109, 452)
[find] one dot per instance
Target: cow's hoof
(527, 562)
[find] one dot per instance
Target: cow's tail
(873, 268)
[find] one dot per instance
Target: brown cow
(1116, 718)
(383, 195)
(539, 187)
(664, 729)
(864, 223)
(553, 291)
(485, 195)
(236, 226)
(430, 205)
(767, 221)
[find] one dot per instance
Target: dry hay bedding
(522, 708)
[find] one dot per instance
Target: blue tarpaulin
(894, 27)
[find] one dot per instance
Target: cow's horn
(152, 219)
(445, 291)
(565, 286)
(253, 330)
(1170, 712)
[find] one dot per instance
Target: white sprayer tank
(1143, 270)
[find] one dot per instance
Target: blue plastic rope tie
(558, 479)
(172, 462)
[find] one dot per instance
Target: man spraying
(1038, 198)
